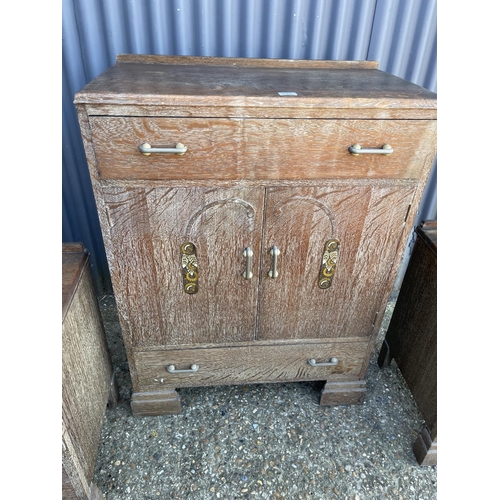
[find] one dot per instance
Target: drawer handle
(146, 149)
(189, 267)
(356, 150)
(332, 362)
(248, 253)
(328, 263)
(193, 369)
(273, 273)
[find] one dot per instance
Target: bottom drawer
(249, 363)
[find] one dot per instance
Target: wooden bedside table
(87, 375)
(411, 338)
(254, 214)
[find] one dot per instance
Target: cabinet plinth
(253, 236)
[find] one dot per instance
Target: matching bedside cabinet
(411, 339)
(87, 376)
(254, 214)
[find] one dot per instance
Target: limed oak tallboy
(254, 215)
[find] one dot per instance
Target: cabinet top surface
(74, 258)
(207, 81)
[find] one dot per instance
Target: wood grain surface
(366, 220)
(281, 112)
(262, 169)
(412, 332)
(425, 447)
(149, 404)
(86, 372)
(411, 338)
(148, 227)
(230, 83)
(343, 392)
(74, 260)
(244, 61)
(248, 364)
(227, 149)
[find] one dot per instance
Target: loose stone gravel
(267, 441)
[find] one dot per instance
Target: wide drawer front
(246, 364)
(260, 149)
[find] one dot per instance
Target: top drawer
(259, 149)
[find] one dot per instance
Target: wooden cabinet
(256, 241)
(87, 376)
(411, 338)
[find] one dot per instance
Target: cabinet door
(148, 227)
(367, 220)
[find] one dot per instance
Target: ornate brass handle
(332, 362)
(146, 149)
(190, 267)
(193, 369)
(273, 273)
(328, 263)
(248, 253)
(356, 150)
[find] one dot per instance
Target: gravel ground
(267, 441)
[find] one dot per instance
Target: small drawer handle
(332, 362)
(248, 253)
(193, 369)
(146, 149)
(356, 149)
(273, 273)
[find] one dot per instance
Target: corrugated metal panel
(400, 34)
(404, 40)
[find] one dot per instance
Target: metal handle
(189, 265)
(328, 263)
(146, 149)
(248, 253)
(332, 362)
(273, 273)
(193, 369)
(356, 150)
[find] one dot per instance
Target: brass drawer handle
(193, 369)
(248, 253)
(189, 267)
(356, 150)
(146, 149)
(332, 362)
(273, 273)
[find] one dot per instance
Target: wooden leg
(384, 357)
(95, 493)
(113, 392)
(146, 404)
(343, 393)
(425, 448)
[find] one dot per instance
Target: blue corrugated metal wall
(399, 34)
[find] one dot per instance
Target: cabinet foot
(146, 404)
(425, 448)
(384, 357)
(343, 393)
(113, 395)
(95, 493)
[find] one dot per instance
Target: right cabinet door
(361, 225)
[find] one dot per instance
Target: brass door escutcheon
(189, 267)
(328, 263)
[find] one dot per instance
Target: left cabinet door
(148, 227)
